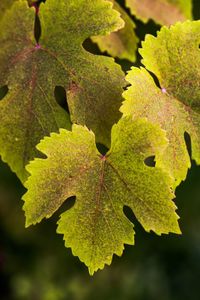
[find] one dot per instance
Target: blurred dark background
(35, 265)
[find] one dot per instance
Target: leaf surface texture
(96, 226)
(174, 57)
(164, 12)
(29, 111)
(123, 43)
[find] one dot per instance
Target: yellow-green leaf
(164, 12)
(6, 4)
(174, 57)
(123, 43)
(96, 227)
(31, 72)
(29, 111)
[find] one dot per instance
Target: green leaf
(174, 57)
(164, 12)
(96, 227)
(29, 110)
(94, 98)
(123, 43)
(4, 5)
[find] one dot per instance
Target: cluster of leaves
(151, 122)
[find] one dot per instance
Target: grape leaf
(165, 12)
(31, 72)
(96, 227)
(4, 5)
(174, 57)
(29, 111)
(123, 43)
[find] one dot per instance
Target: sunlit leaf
(123, 43)
(174, 57)
(96, 226)
(31, 71)
(165, 12)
